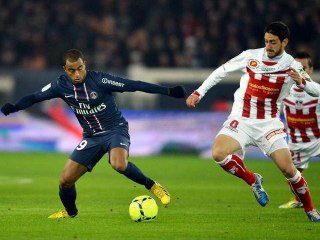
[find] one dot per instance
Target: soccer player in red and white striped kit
(302, 113)
(268, 75)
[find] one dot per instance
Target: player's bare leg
(222, 153)
(67, 190)
(294, 202)
(298, 184)
(119, 162)
(223, 146)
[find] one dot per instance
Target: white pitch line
(15, 180)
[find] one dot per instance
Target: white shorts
(303, 152)
(255, 132)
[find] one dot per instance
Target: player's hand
(8, 108)
(293, 73)
(192, 101)
(177, 92)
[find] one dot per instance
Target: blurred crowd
(153, 33)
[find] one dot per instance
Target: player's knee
(65, 182)
(288, 171)
(119, 166)
(218, 155)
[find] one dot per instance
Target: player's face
(305, 64)
(274, 47)
(76, 70)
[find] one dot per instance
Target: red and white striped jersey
(302, 113)
(263, 86)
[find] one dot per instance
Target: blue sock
(68, 199)
(133, 172)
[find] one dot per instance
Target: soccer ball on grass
(143, 208)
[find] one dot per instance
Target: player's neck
(275, 58)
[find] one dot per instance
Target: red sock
(234, 165)
(301, 190)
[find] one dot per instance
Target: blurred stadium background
(160, 41)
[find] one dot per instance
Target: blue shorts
(91, 149)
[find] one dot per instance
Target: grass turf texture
(207, 203)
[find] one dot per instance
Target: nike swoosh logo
(123, 144)
(68, 96)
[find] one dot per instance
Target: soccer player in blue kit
(105, 130)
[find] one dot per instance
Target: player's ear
(285, 42)
(311, 70)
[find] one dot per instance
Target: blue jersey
(92, 101)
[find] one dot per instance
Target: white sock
(295, 178)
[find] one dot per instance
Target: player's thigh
(224, 145)
(119, 148)
(120, 138)
(89, 151)
(231, 138)
(266, 132)
(119, 158)
(119, 144)
(282, 158)
(71, 173)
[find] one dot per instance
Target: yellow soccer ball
(143, 208)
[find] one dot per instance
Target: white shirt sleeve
(236, 63)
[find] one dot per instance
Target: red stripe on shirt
(260, 108)
(289, 102)
(246, 106)
(311, 102)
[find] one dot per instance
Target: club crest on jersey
(253, 63)
(93, 95)
(299, 105)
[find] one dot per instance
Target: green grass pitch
(207, 203)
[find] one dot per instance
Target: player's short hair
(279, 29)
(304, 55)
(72, 55)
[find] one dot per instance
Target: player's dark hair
(304, 55)
(279, 29)
(72, 55)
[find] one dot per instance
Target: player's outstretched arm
(177, 91)
(118, 84)
(25, 102)
(46, 93)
